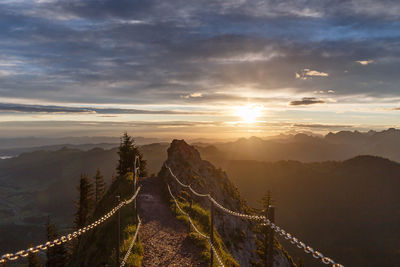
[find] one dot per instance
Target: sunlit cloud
(192, 95)
(365, 62)
(306, 74)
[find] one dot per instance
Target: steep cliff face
(186, 163)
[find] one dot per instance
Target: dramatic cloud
(307, 101)
(184, 57)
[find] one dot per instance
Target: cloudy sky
(198, 68)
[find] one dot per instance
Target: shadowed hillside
(41, 183)
(349, 210)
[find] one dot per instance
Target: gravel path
(164, 238)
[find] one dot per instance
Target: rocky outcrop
(186, 163)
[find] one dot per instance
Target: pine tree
(85, 203)
(100, 186)
(266, 202)
(127, 153)
(57, 255)
(33, 259)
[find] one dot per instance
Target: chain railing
(68, 237)
(293, 240)
(195, 228)
(132, 243)
(233, 213)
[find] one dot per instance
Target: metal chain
(295, 241)
(68, 237)
(176, 178)
(237, 214)
(132, 243)
(307, 249)
(195, 228)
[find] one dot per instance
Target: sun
(249, 113)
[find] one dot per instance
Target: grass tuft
(202, 218)
(136, 256)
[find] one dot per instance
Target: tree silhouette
(57, 255)
(100, 186)
(84, 205)
(127, 153)
(262, 231)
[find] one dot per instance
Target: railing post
(118, 225)
(190, 204)
(134, 190)
(212, 235)
(270, 252)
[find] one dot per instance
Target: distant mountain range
(13, 152)
(307, 148)
(36, 142)
(302, 147)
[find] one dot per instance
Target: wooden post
(134, 191)
(118, 232)
(190, 205)
(270, 255)
(212, 235)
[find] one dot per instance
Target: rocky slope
(186, 163)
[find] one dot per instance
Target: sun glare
(249, 113)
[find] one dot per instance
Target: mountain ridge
(186, 163)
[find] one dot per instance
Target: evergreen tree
(267, 201)
(57, 255)
(84, 205)
(100, 186)
(33, 260)
(262, 235)
(127, 153)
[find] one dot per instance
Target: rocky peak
(180, 150)
(186, 163)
